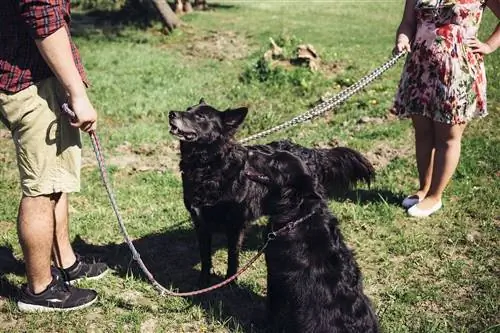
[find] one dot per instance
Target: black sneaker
(58, 296)
(84, 270)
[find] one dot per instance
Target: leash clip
(271, 236)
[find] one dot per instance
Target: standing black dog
(218, 195)
(313, 282)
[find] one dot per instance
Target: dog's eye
(198, 116)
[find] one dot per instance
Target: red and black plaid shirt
(22, 21)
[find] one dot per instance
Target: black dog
(313, 282)
(217, 194)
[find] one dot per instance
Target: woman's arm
(407, 28)
(493, 42)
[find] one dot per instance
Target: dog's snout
(172, 115)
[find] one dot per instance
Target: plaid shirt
(22, 21)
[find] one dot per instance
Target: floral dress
(442, 79)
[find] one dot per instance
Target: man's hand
(86, 116)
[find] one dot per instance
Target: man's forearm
(56, 50)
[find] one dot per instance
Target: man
(40, 69)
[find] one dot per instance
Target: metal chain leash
(330, 103)
(314, 112)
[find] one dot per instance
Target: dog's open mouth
(182, 135)
(255, 176)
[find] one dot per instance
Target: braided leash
(135, 254)
(314, 112)
(330, 103)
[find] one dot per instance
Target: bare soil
(220, 45)
(147, 157)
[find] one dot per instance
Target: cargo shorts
(48, 148)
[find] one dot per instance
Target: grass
(433, 275)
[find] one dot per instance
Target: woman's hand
(402, 44)
(479, 47)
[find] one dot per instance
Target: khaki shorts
(48, 148)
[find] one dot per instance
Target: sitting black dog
(313, 282)
(218, 195)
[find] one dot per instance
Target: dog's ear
(233, 118)
(202, 101)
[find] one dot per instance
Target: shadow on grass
(9, 264)
(219, 6)
(171, 256)
(110, 23)
(363, 197)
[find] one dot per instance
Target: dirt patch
(138, 299)
(147, 157)
(7, 225)
(473, 236)
(149, 325)
(95, 316)
(383, 154)
(330, 144)
(223, 45)
(331, 69)
(371, 120)
(8, 325)
(303, 55)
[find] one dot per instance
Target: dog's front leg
(234, 241)
(204, 245)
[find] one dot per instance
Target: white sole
(26, 307)
(90, 278)
(417, 212)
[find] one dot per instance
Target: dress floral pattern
(442, 79)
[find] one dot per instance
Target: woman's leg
(448, 139)
(424, 149)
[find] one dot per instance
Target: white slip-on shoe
(410, 201)
(417, 212)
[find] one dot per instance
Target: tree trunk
(167, 15)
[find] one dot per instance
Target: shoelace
(60, 285)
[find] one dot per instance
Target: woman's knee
(448, 136)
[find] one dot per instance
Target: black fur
(218, 195)
(313, 281)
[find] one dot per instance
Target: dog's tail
(342, 168)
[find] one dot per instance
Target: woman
(442, 88)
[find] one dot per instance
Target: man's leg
(62, 252)
(36, 233)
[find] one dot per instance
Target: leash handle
(70, 113)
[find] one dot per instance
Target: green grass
(433, 275)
